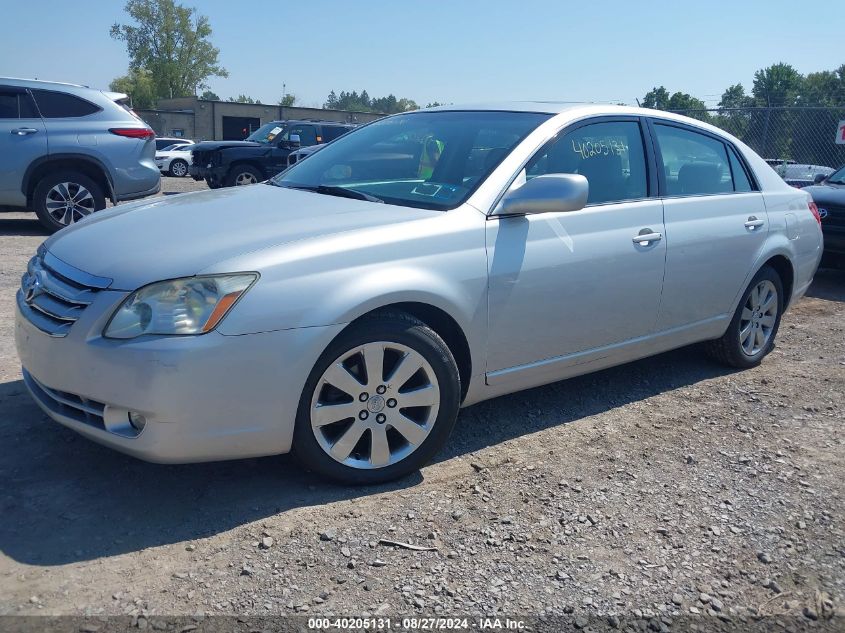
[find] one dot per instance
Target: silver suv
(64, 149)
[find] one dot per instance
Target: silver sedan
(348, 307)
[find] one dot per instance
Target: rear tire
(213, 184)
(241, 175)
(178, 168)
(754, 326)
(390, 424)
(64, 197)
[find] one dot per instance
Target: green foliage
(778, 118)
(172, 43)
(288, 100)
(364, 103)
(657, 99)
(138, 84)
(777, 85)
(242, 99)
(208, 95)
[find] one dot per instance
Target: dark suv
(262, 155)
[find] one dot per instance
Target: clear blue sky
(456, 51)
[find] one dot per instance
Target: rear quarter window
(60, 105)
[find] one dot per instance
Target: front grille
(835, 215)
(53, 295)
(67, 404)
(201, 159)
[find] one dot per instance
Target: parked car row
(798, 174)
(346, 308)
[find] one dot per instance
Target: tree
(209, 96)
(138, 84)
(288, 100)
(735, 97)
(776, 86)
(364, 103)
(172, 43)
(242, 99)
(657, 99)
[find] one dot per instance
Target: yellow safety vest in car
(432, 148)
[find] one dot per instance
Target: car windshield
(837, 177)
(266, 133)
(172, 148)
(427, 160)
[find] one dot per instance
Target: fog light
(137, 421)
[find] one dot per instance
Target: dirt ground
(664, 494)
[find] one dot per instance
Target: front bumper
(205, 398)
(202, 172)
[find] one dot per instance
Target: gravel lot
(666, 494)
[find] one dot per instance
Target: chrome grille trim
(67, 404)
(53, 295)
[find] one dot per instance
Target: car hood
(210, 146)
(181, 235)
(827, 194)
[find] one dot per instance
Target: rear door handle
(753, 223)
(23, 131)
(644, 239)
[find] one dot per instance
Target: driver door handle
(753, 223)
(23, 131)
(644, 239)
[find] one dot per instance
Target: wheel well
(93, 171)
(445, 326)
(248, 163)
(783, 267)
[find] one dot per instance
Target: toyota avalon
(348, 307)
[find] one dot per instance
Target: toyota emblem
(33, 287)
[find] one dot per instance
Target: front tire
(379, 403)
(178, 168)
(64, 197)
(754, 326)
(241, 175)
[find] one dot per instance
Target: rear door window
(693, 164)
(610, 155)
(60, 105)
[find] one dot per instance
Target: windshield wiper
(331, 190)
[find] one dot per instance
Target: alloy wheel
(375, 405)
(245, 178)
(758, 317)
(179, 168)
(68, 202)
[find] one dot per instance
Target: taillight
(815, 211)
(133, 132)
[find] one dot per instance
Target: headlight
(193, 305)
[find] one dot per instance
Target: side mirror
(819, 178)
(294, 140)
(551, 193)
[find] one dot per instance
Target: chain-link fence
(804, 135)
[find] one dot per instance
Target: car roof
(576, 110)
(37, 83)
